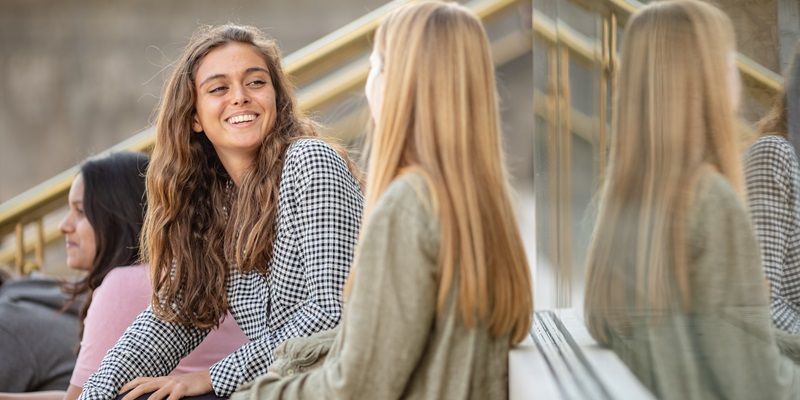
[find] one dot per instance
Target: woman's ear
(196, 127)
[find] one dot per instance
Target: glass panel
(668, 324)
(567, 77)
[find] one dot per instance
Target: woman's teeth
(242, 118)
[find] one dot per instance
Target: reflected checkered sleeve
(317, 229)
(772, 175)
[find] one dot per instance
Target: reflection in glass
(568, 75)
(674, 280)
(773, 186)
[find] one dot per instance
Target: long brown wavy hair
(198, 224)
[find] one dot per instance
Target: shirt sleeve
(770, 170)
(325, 217)
(115, 305)
(149, 347)
(389, 315)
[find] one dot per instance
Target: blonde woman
(440, 287)
(674, 284)
(772, 173)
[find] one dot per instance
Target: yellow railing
(324, 71)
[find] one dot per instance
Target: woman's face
(78, 232)
(374, 87)
(235, 104)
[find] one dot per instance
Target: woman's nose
(66, 224)
(240, 96)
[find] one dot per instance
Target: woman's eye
(79, 211)
(217, 89)
(257, 83)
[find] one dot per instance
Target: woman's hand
(169, 387)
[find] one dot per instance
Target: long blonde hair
(440, 117)
(673, 118)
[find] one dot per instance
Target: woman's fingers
(171, 390)
(130, 385)
(168, 387)
(140, 386)
(177, 392)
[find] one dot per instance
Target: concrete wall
(756, 23)
(788, 29)
(756, 27)
(77, 76)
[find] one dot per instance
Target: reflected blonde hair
(440, 118)
(673, 119)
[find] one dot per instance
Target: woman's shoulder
(407, 208)
(716, 206)
(310, 148)
(408, 197)
(409, 189)
(771, 148)
(133, 278)
(310, 158)
(124, 293)
(772, 140)
(713, 188)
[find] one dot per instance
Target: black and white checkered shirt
(317, 228)
(773, 180)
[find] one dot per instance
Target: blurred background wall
(77, 76)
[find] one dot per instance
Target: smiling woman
(236, 110)
(248, 212)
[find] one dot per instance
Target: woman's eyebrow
(247, 71)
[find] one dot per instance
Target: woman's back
(447, 359)
(724, 347)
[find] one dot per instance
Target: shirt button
(290, 372)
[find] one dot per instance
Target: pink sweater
(124, 293)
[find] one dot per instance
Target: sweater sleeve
(326, 224)
(389, 314)
(771, 169)
(325, 217)
(730, 317)
(149, 347)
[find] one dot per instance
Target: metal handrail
(311, 66)
(306, 63)
(545, 28)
